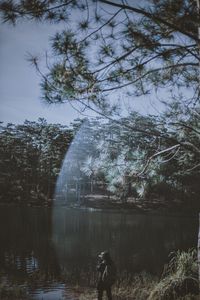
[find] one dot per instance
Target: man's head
(104, 255)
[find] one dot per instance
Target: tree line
(31, 155)
(107, 157)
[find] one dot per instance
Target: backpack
(109, 274)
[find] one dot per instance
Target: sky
(20, 95)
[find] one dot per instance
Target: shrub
(180, 277)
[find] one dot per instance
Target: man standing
(107, 275)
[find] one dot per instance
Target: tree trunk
(198, 11)
(199, 250)
(91, 185)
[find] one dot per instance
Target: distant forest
(112, 157)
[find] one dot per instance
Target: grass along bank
(178, 281)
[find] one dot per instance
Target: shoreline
(111, 204)
(135, 206)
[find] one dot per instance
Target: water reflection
(27, 251)
(137, 242)
(42, 247)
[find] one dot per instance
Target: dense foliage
(105, 156)
(31, 156)
(137, 164)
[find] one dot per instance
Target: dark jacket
(107, 273)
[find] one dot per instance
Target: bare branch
(185, 125)
(190, 145)
(193, 168)
(99, 28)
(154, 156)
(169, 159)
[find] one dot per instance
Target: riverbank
(178, 281)
(133, 205)
(111, 202)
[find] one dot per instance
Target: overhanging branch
(152, 17)
(154, 156)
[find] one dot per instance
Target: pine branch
(147, 73)
(151, 16)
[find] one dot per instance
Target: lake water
(50, 249)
